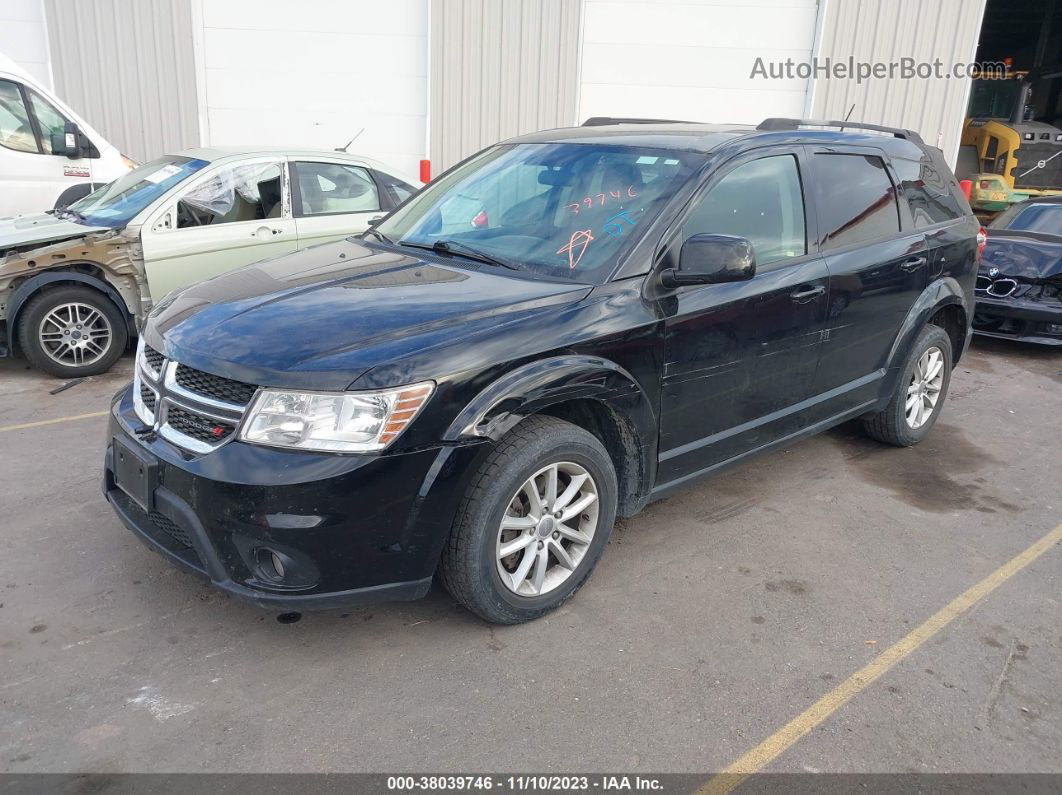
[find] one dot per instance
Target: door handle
(261, 231)
(912, 264)
(803, 296)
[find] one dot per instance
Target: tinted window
(329, 188)
(16, 132)
(857, 201)
(760, 201)
(116, 204)
(929, 192)
(559, 210)
(50, 120)
(248, 192)
(1045, 218)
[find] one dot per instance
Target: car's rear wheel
(919, 394)
(72, 332)
(533, 524)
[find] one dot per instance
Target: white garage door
(313, 74)
(691, 60)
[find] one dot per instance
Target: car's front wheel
(72, 332)
(533, 524)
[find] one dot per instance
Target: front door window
(247, 192)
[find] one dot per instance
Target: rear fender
(945, 291)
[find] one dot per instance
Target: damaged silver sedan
(76, 283)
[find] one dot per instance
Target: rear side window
(330, 188)
(857, 200)
(760, 201)
(929, 192)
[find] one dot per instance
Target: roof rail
(602, 121)
(794, 124)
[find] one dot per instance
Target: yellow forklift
(1007, 155)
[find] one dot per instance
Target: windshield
(116, 204)
(562, 211)
(1045, 218)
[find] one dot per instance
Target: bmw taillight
(982, 238)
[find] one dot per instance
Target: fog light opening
(278, 564)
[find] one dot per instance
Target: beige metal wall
(128, 67)
(888, 30)
(500, 68)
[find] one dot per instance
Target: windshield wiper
(372, 230)
(468, 252)
(66, 212)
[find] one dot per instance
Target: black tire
(469, 567)
(34, 312)
(891, 426)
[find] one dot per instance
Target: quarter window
(16, 132)
(249, 192)
(50, 120)
(330, 188)
(857, 200)
(929, 192)
(760, 201)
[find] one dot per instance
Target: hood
(323, 316)
(1024, 256)
(41, 228)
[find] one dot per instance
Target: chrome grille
(194, 410)
(153, 360)
(191, 424)
(215, 386)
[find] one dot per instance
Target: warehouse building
(440, 79)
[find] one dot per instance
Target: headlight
(339, 422)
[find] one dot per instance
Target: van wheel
(920, 392)
(533, 523)
(72, 332)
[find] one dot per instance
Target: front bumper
(350, 529)
(1018, 319)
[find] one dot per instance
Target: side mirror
(712, 259)
(72, 143)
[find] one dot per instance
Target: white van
(49, 156)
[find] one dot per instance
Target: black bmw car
(1019, 285)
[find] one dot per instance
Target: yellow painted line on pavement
(775, 745)
(56, 421)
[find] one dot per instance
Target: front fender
(535, 386)
(28, 288)
(942, 292)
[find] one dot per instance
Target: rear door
(740, 358)
(230, 216)
(877, 270)
(333, 200)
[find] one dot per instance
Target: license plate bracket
(136, 473)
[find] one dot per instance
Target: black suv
(557, 330)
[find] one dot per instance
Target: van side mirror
(712, 259)
(72, 143)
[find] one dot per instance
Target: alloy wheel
(547, 529)
(924, 390)
(75, 334)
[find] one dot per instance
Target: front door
(740, 358)
(231, 216)
(32, 177)
(332, 200)
(877, 270)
